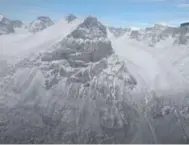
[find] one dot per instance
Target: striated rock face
(17, 23)
(6, 26)
(40, 23)
(77, 92)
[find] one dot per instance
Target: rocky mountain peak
(17, 23)
(6, 26)
(91, 22)
(91, 28)
(45, 19)
(70, 18)
(87, 43)
(4, 20)
(41, 23)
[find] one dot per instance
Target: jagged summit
(70, 18)
(87, 43)
(92, 22)
(45, 19)
(91, 28)
(41, 23)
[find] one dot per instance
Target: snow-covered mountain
(81, 82)
(6, 26)
(80, 74)
(40, 23)
(17, 23)
(70, 18)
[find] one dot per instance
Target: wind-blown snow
(24, 43)
(131, 52)
(153, 64)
